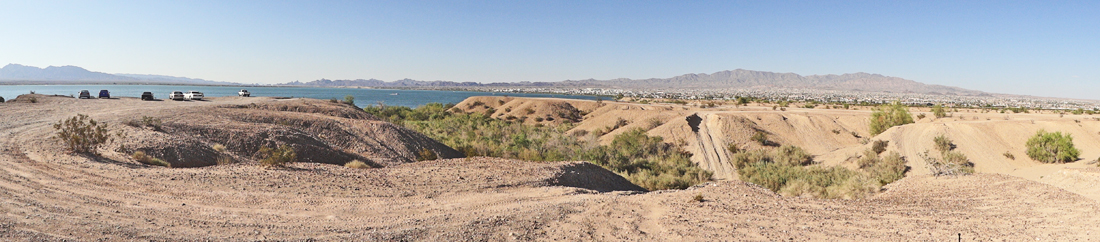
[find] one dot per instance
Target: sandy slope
(46, 194)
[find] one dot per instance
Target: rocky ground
(48, 194)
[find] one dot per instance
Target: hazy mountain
(17, 73)
(761, 79)
(734, 79)
(174, 79)
(380, 83)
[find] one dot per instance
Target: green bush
(277, 157)
(938, 111)
(82, 134)
(350, 100)
(760, 137)
(943, 144)
(886, 116)
(879, 146)
(775, 171)
(1051, 147)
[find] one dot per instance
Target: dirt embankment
(318, 131)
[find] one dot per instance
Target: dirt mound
(589, 176)
(319, 132)
(547, 111)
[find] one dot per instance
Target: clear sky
(1045, 48)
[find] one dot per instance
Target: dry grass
(357, 164)
(140, 156)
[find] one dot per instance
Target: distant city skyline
(1030, 48)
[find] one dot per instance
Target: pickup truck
(244, 93)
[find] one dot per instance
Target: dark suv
(147, 96)
(104, 94)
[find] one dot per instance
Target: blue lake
(363, 97)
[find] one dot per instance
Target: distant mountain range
(735, 79)
(16, 73)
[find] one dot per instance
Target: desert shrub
(809, 105)
(879, 146)
(223, 159)
(654, 122)
(733, 149)
(333, 100)
(500, 102)
(528, 111)
(140, 156)
(836, 131)
(356, 164)
(775, 171)
(1009, 155)
(425, 155)
(644, 160)
(889, 169)
(277, 157)
(958, 159)
(82, 134)
(792, 156)
(350, 100)
(938, 111)
(538, 119)
(943, 143)
(868, 159)
(921, 116)
(1051, 147)
(698, 198)
(33, 99)
(760, 137)
(475, 104)
(886, 116)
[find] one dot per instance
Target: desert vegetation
(140, 156)
(81, 134)
(950, 162)
(938, 111)
(278, 157)
(790, 171)
(1050, 147)
(644, 160)
(886, 116)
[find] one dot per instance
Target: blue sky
(1044, 48)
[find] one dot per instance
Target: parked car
(244, 93)
(193, 95)
(85, 94)
(176, 95)
(147, 96)
(104, 94)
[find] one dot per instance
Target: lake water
(363, 97)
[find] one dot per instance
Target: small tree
(1051, 147)
(887, 116)
(82, 134)
(426, 154)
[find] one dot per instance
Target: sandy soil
(46, 194)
